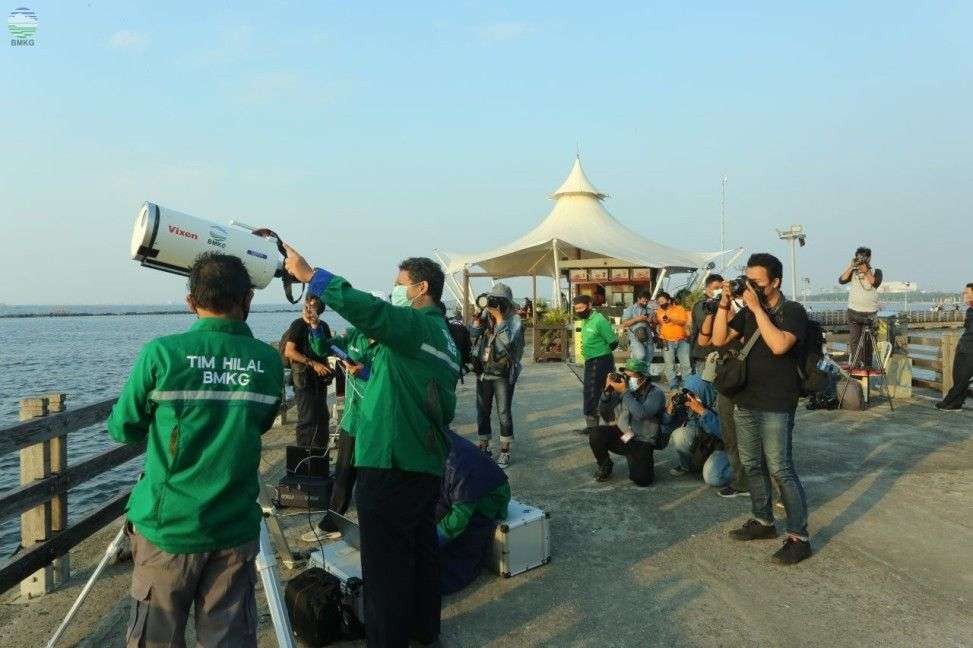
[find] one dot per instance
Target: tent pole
(658, 282)
(466, 295)
(557, 276)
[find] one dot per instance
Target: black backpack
(464, 344)
(313, 600)
(809, 355)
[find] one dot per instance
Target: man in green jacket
(400, 443)
(598, 342)
(200, 401)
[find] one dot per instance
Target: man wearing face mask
(401, 442)
(767, 402)
(598, 341)
(671, 319)
(305, 350)
(200, 401)
(711, 290)
(635, 406)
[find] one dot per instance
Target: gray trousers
(164, 587)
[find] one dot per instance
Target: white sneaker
(503, 459)
(317, 535)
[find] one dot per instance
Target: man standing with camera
(766, 402)
(401, 443)
(199, 401)
(704, 306)
(863, 282)
(598, 343)
(498, 338)
(963, 362)
(310, 374)
(672, 319)
(637, 320)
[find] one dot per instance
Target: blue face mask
(400, 295)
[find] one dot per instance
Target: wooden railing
(45, 478)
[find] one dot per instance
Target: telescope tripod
(868, 335)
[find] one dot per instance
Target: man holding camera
(702, 308)
(401, 442)
(863, 282)
(304, 349)
(671, 319)
(963, 361)
(598, 343)
(637, 320)
(200, 401)
(766, 402)
(694, 428)
(634, 405)
(498, 338)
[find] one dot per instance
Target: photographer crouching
(401, 442)
(863, 282)
(200, 401)
(498, 340)
(693, 424)
(635, 405)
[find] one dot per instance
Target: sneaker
(794, 551)
(941, 405)
(485, 449)
(729, 491)
(753, 530)
(503, 459)
(317, 535)
(678, 471)
(604, 472)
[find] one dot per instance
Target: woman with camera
(635, 406)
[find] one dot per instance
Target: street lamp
(794, 234)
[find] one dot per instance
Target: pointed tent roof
(579, 227)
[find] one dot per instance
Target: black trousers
(344, 480)
(962, 374)
(400, 556)
(728, 430)
(858, 324)
(312, 416)
(638, 453)
(596, 371)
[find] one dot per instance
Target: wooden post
(35, 524)
(947, 353)
(59, 503)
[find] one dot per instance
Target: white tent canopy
(577, 228)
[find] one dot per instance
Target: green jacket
(411, 395)
(597, 336)
(360, 350)
(492, 506)
(200, 400)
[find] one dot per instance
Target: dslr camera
(615, 376)
(739, 285)
(484, 300)
(863, 256)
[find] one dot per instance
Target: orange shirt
(675, 329)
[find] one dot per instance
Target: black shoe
(753, 530)
(793, 552)
(604, 472)
(941, 405)
(729, 491)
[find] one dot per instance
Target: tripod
(266, 565)
(867, 335)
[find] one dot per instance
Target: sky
(368, 132)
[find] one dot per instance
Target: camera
(485, 300)
(861, 259)
(710, 306)
(615, 376)
(680, 398)
(739, 285)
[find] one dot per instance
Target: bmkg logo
(22, 24)
(217, 236)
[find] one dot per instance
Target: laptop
(350, 532)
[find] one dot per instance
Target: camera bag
(731, 368)
(313, 600)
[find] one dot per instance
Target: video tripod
(867, 335)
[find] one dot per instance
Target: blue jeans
(670, 351)
(681, 440)
(717, 470)
(488, 391)
(639, 351)
(765, 443)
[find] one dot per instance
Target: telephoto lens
(482, 300)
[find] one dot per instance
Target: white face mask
(717, 293)
(633, 383)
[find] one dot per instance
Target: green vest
(200, 400)
(597, 336)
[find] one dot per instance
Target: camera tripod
(867, 335)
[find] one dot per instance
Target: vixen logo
(178, 231)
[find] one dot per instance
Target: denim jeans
(639, 351)
(681, 441)
(489, 390)
(765, 443)
(717, 470)
(670, 352)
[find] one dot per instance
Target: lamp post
(723, 220)
(795, 234)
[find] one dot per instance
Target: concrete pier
(891, 499)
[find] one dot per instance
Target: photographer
(671, 319)
(598, 343)
(766, 403)
(703, 307)
(306, 352)
(401, 442)
(200, 401)
(694, 427)
(862, 305)
(635, 405)
(498, 338)
(637, 320)
(963, 361)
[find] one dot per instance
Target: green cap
(638, 366)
